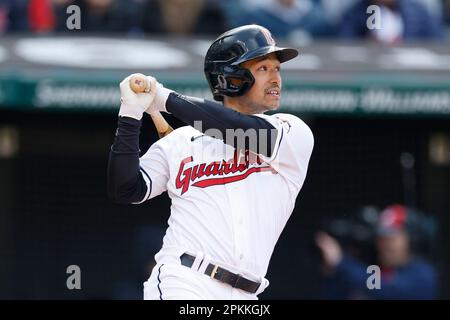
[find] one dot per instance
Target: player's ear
(235, 81)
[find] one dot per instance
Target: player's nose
(275, 78)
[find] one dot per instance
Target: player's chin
(272, 102)
(272, 105)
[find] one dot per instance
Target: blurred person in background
(14, 16)
(435, 7)
(401, 20)
(4, 11)
(446, 14)
(334, 11)
(289, 19)
(403, 274)
(46, 16)
(40, 16)
(101, 16)
(184, 17)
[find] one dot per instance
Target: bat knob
(139, 83)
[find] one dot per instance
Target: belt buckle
(214, 271)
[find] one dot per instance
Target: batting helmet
(229, 50)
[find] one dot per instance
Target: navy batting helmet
(229, 50)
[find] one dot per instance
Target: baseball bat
(139, 84)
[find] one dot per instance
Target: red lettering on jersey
(191, 175)
(186, 175)
(216, 181)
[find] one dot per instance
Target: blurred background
(373, 86)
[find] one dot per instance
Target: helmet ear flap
(233, 84)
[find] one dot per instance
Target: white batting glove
(134, 104)
(159, 103)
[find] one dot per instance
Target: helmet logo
(222, 81)
(268, 37)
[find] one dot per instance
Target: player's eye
(262, 68)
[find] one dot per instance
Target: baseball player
(230, 199)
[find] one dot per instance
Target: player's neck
(235, 107)
(239, 105)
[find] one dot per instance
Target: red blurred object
(392, 219)
(40, 16)
(3, 19)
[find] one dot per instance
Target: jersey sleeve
(213, 119)
(293, 148)
(155, 171)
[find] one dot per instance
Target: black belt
(218, 273)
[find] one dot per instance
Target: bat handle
(162, 127)
(139, 83)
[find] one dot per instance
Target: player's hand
(331, 249)
(134, 104)
(159, 103)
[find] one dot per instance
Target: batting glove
(159, 103)
(134, 104)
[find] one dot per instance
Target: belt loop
(198, 260)
(204, 264)
(264, 283)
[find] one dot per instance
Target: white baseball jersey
(232, 211)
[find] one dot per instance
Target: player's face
(393, 250)
(265, 93)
